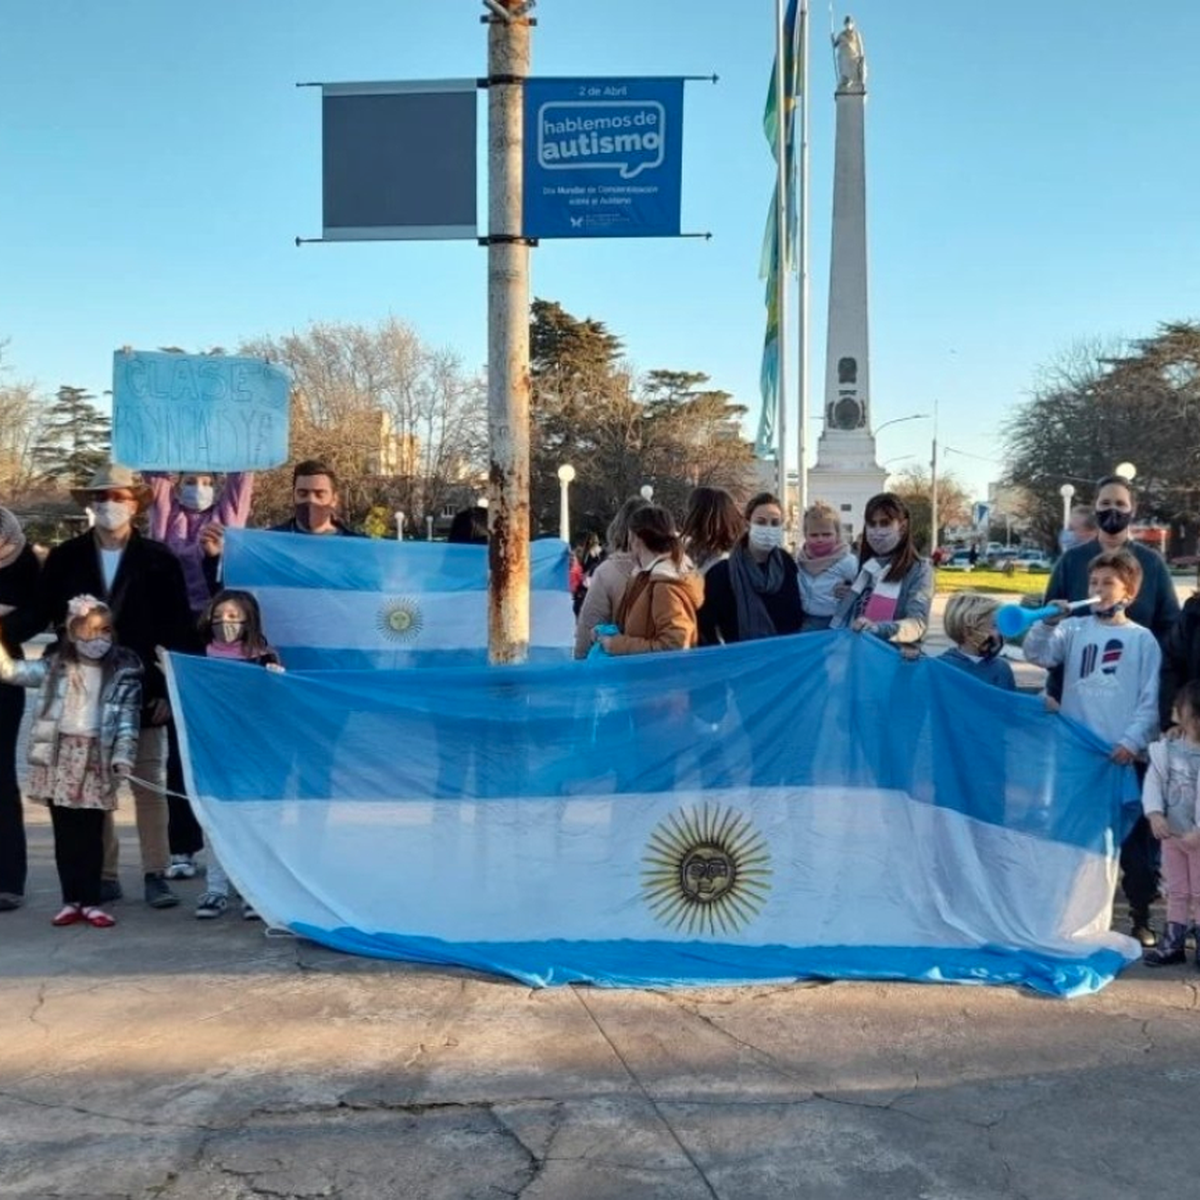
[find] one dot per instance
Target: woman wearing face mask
(893, 591)
(179, 512)
(84, 739)
(18, 583)
(754, 593)
(659, 605)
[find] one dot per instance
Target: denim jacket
(120, 705)
(912, 606)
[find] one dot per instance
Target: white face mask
(766, 537)
(196, 496)
(112, 514)
(94, 647)
(885, 539)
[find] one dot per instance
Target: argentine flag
(338, 603)
(811, 806)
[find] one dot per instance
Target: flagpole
(802, 265)
(781, 249)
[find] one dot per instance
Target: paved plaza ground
(183, 1060)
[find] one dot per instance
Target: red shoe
(98, 918)
(69, 914)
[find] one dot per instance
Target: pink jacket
(178, 528)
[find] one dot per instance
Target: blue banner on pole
(603, 157)
(198, 412)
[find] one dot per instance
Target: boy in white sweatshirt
(1111, 665)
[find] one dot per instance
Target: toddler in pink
(1170, 797)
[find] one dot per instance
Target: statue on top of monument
(851, 60)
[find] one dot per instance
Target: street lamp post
(1067, 492)
(566, 473)
(1126, 470)
(897, 420)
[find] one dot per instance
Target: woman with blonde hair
(608, 580)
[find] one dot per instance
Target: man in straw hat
(142, 582)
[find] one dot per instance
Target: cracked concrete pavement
(184, 1060)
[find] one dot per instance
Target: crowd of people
(116, 598)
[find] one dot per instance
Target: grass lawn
(983, 580)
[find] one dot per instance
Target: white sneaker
(183, 866)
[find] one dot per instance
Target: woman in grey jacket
(84, 739)
(893, 592)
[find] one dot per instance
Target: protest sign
(198, 412)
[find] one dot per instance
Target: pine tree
(75, 438)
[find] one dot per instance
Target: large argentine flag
(331, 602)
(807, 806)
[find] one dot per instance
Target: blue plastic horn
(1012, 620)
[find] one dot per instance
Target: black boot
(1142, 930)
(1170, 947)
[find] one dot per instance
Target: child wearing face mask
(753, 593)
(179, 512)
(1171, 800)
(1111, 665)
(827, 566)
(970, 622)
(232, 627)
(893, 592)
(83, 742)
(178, 515)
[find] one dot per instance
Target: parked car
(960, 560)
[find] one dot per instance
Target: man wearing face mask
(142, 583)
(1157, 608)
(315, 502)
(754, 593)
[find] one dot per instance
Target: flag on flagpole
(770, 263)
(639, 821)
(339, 603)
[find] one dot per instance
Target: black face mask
(309, 515)
(1113, 520)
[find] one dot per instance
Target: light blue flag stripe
(348, 603)
(804, 806)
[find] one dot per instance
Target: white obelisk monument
(846, 474)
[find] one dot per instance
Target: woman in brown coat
(658, 608)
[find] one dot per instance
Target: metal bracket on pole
(506, 239)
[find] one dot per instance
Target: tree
(914, 486)
(21, 414)
(74, 439)
(1098, 405)
(588, 410)
(402, 424)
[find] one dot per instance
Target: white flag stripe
(331, 620)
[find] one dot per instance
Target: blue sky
(1031, 169)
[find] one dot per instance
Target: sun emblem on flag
(399, 620)
(706, 870)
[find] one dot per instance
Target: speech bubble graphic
(626, 136)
